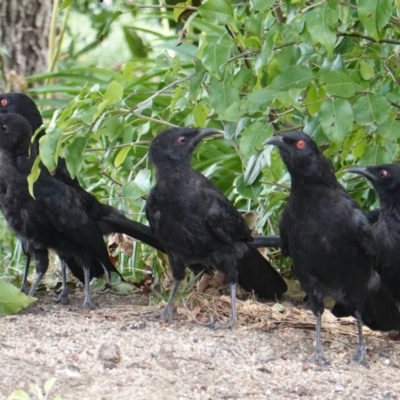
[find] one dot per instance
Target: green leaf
(34, 175)
(336, 117)
(222, 94)
(113, 93)
(115, 15)
(178, 11)
(49, 384)
(390, 129)
(123, 288)
(320, 22)
(375, 155)
(143, 180)
(248, 191)
(253, 168)
(219, 11)
(367, 71)
(253, 137)
(200, 113)
(371, 108)
(19, 395)
(215, 55)
(315, 97)
(12, 300)
(120, 158)
(65, 4)
(261, 5)
(295, 76)
(337, 83)
(129, 71)
(374, 15)
(74, 154)
(50, 146)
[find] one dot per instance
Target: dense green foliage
(327, 67)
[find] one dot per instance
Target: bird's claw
(231, 324)
(63, 299)
(320, 360)
(88, 306)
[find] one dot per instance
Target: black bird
(55, 217)
(107, 218)
(386, 182)
(196, 223)
(330, 242)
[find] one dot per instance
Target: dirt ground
(121, 352)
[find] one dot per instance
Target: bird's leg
(232, 322)
(87, 304)
(360, 356)
(319, 356)
(167, 314)
(39, 277)
(24, 286)
(63, 297)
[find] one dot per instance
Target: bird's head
(300, 154)
(19, 103)
(15, 134)
(384, 178)
(178, 144)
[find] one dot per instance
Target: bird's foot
(63, 299)
(168, 315)
(360, 358)
(89, 305)
(320, 360)
(32, 292)
(24, 289)
(230, 324)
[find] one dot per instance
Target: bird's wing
(61, 204)
(223, 218)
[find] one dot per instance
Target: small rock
(109, 354)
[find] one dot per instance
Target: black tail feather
(380, 311)
(117, 222)
(258, 275)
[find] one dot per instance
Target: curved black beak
(275, 141)
(362, 171)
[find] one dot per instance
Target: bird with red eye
(383, 173)
(3, 102)
(300, 144)
(181, 139)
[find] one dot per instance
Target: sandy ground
(121, 352)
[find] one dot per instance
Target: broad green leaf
(253, 137)
(123, 287)
(129, 71)
(215, 55)
(239, 109)
(374, 15)
(248, 191)
(375, 155)
(337, 83)
(178, 11)
(253, 168)
(367, 71)
(49, 146)
(12, 300)
(295, 76)
(34, 175)
(320, 22)
(65, 4)
(143, 181)
(113, 93)
(222, 94)
(371, 108)
(315, 97)
(262, 97)
(217, 11)
(336, 117)
(200, 113)
(19, 395)
(120, 158)
(260, 5)
(114, 16)
(390, 129)
(74, 154)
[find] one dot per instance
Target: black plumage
(55, 217)
(196, 223)
(330, 242)
(107, 218)
(386, 228)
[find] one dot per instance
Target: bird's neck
(390, 208)
(173, 172)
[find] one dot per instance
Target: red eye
(181, 139)
(383, 173)
(3, 102)
(300, 144)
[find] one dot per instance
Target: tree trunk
(24, 32)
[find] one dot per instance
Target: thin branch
(360, 36)
(158, 121)
(278, 13)
(238, 45)
(244, 54)
(111, 179)
(164, 89)
(121, 146)
(165, 6)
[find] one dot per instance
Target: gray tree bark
(24, 32)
